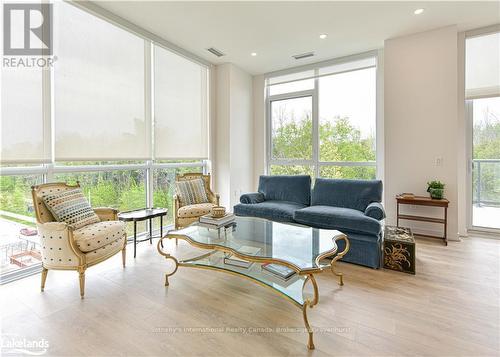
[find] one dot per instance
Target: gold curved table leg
(308, 303)
(167, 256)
(172, 273)
(339, 256)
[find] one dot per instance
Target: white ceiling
(278, 30)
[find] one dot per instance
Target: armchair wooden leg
(176, 228)
(45, 271)
(124, 253)
(81, 274)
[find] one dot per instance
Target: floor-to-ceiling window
(117, 112)
(322, 121)
(482, 74)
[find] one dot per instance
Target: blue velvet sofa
(350, 206)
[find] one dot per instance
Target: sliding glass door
(482, 84)
(485, 162)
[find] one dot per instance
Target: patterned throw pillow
(71, 207)
(191, 192)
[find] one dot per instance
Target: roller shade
(25, 135)
(304, 80)
(482, 66)
(180, 107)
(98, 90)
(335, 68)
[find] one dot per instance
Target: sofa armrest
(106, 213)
(375, 210)
(251, 198)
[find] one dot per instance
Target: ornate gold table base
(308, 303)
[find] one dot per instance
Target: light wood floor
(450, 308)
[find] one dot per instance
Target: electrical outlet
(439, 161)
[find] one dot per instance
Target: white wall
(464, 144)
(220, 134)
(241, 133)
(259, 129)
(380, 116)
(233, 134)
(421, 123)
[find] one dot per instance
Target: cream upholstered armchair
(65, 248)
(185, 215)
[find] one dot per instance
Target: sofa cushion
(280, 211)
(97, 235)
(72, 207)
(343, 219)
(286, 188)
(191, 192)
(195, 210)
(355, 194)
(107, 250)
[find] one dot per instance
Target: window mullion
(315, 124)
(269, 133)
(149, 183)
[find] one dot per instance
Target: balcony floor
(486, 216)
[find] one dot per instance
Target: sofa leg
(81, 274)
(45, 271)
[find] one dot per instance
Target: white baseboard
(433, 232)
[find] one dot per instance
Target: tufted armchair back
(206, 180)
(42, 213)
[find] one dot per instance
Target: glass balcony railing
(486, 193)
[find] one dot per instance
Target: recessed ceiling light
(418, 11)
(253, 54)
(323, 36)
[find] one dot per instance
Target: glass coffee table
(256, 243)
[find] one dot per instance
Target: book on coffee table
(280, 271)
(247, 250)
(217, 222)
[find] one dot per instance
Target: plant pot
(436, 193)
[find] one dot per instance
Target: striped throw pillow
(71, 207)
(191, 192)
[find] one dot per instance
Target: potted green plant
(436, 189)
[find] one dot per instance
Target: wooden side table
(429, 202)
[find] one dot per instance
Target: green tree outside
(339, 141)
